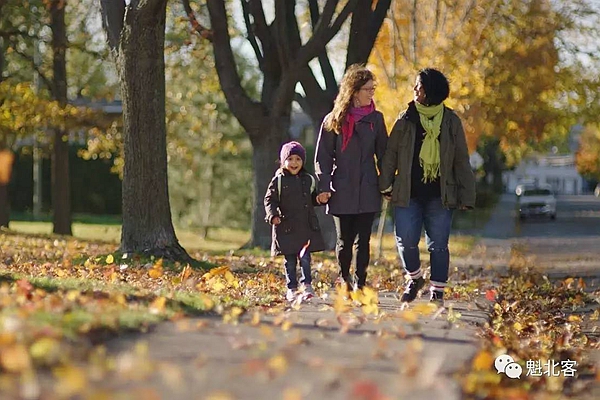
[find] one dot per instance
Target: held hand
(276, 221)
(323, 198)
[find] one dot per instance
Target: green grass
(223, 240)
(219, 240)
(83, 218)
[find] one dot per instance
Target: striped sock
(413, 275)
(437, 287)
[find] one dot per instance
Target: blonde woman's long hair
(355, 77)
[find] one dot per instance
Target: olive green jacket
(456, 177)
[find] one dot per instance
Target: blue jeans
(409, 221)
(290, 263)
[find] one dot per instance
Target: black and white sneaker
(412, 289)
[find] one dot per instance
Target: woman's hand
(323, 198)
(276, 220)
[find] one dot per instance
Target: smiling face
(293, 164)
(364, 95)
(419, 91)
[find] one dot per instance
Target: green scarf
(429, 157)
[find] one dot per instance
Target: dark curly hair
(355, 77)
(436, 86)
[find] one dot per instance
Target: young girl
(289, 205)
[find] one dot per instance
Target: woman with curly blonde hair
(349, 151)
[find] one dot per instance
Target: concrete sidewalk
(392, 355)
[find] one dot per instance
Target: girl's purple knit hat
(290, 148)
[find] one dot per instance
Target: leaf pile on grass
(535, 320)
(59, 297)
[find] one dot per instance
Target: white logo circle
(513, 370)
(502, 361)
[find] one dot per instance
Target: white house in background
(558, 171)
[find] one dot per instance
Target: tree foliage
(209, 153)
(588, 155)
(513, 65)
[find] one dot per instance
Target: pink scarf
(354, 115)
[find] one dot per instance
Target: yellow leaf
(187, 271)
(158, 305)
(568, 281)
(15, 358)
(425, 308)
(72, 295)
(7, 338)
(483, 361)
(574, 318)
(121, 299)
(292, 394)
(219, 396)
(217, 286)
(266, 331)
(278, 363)
(207, 301)
(45, 350)
(71, 381)
(518, 327)
(176, 280)
(255, 319)
(155, 272)
(286, 325)
(110, 259)
(229, 277)
(409, 316)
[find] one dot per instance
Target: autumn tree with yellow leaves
(588, 155)
(514, 66)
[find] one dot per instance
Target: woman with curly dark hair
(427, 174)
(349, 151)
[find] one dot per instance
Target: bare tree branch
(260, 23)
(202, 30)
(341, 18)
(251, 35)
(323, 33)
(364, 28)
(324, 63)
(325, 18)
(264, 33)
(113, 12)
(309, 83)
(238, 100)
(288, 33)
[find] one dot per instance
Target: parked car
(522, 185)
(597, 190)
(538, 201)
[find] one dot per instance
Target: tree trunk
(265, 156)
(4, 206)
(61, 187)
(6, 165)
(147, 224)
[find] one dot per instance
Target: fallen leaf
(15, 358)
